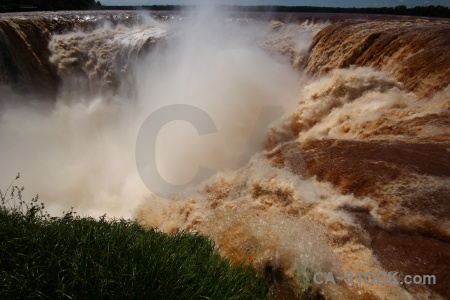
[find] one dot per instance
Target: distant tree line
(21, 5)
(41, 5)
(427, 11)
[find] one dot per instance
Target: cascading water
(330, 151)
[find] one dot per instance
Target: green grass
(83, 258)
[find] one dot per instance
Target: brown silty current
(404, 172)
(356, 178)
(392, 159)
(27, 47)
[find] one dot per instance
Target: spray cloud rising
(80, 151)
(324, 147)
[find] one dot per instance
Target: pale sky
(330, 3)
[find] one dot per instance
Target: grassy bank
(74, 257)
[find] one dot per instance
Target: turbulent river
(323, 140)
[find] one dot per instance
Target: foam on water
(359, 154)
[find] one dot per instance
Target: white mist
(80, 152)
